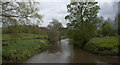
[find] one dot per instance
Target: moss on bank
(103, 45)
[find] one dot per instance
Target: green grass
(22, 46)
(22, 49)
(103, 45)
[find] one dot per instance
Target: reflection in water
(54, 47)
(81, 56)
(63, 52)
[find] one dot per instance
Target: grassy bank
(20, 50)
(103, 45)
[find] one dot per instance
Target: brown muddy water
(63, 52)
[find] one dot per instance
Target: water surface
(63, 52)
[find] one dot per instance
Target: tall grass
(22, 49)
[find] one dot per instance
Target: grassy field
(23, 47)
(103, 45)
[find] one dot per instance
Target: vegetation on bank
(22, 49)
(24, 41)
(91, 32)
(22, 37)
(103, 45)
(21, 32)
(83, 22)
(56, 31)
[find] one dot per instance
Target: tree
(107, 29)
(55, 28)
(80, 12)
(20, 13)
(82, 21)
(100, 21)
(116, 22)
(55, 24)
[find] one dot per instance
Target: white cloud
(50, 0)
(51, 9)
(107, 0)
(108, 9)
(57, 9)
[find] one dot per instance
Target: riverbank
(18, 50)
(103, 46)
(64, 52)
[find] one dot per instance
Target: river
(63, 52)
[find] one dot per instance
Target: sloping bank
(103, 45)
(20, 50)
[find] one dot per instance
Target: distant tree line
(107, 27)
(25, 29)
(56, 31)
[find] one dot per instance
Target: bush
(103, 45)
(107, 29)
(83, 34)
(69, 33)
(53, 35)
(99, 33)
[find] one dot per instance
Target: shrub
(107, 29)
(83, 34)
(103, 45)
(53, 35)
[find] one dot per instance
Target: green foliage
(107, 29)
(63, 33)
(103, 45)
(83, 34)
(116, 24)
(22, 49)
(80, 12)
(25, 29)
(19, 13)
(69, 33)
(56, 30)
(55, 24)
(15, 14)
(53, 35)
(82, 21)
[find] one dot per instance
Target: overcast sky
(52, 10)
(58, 10)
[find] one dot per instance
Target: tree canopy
(80, 12)
(82, 21)
(55, 24)
(20, 13)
